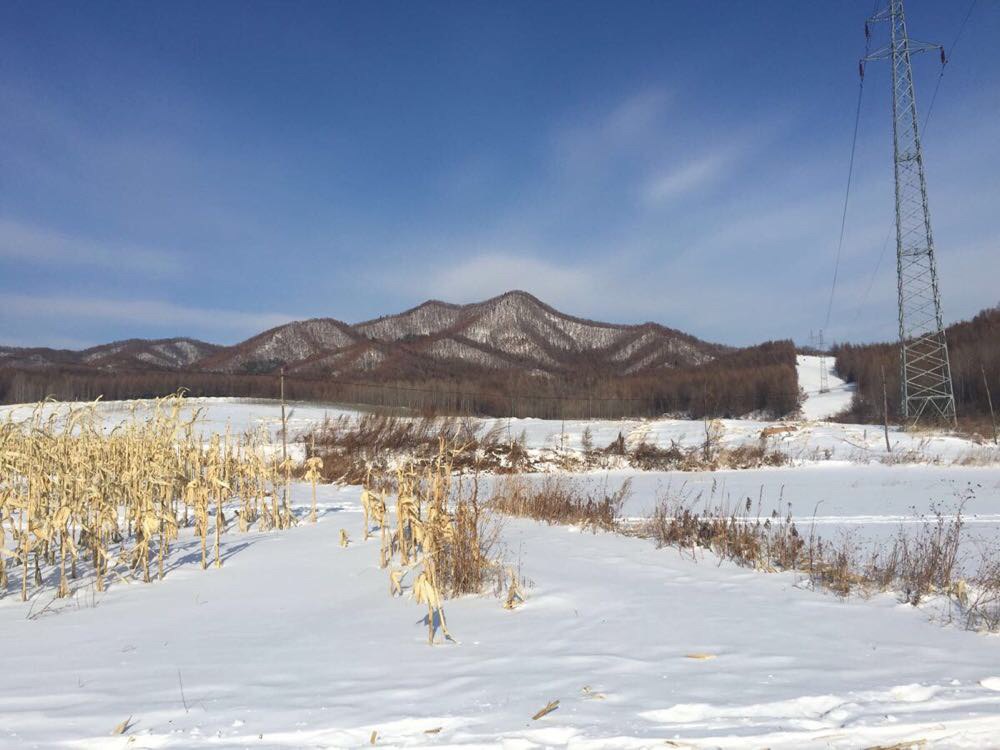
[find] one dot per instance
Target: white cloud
(22, 242)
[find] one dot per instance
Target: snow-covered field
(832, 499)
(295, 641)
(803, 441)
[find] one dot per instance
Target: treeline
(759, 380)
(974, 352)
(18, 386)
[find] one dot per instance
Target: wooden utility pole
(284, 423)
(885, 412)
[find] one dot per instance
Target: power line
(847, 197)
(947, 59)
(878, 265)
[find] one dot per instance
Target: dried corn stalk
(80, 501)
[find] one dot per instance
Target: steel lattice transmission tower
(816, 342)
(925, 368)
(824, 380)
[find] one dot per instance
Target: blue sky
(213, 169)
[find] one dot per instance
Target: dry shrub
(649, 457)
(834, 566)
(927, 562)
(982, 600)
(351, 446)
(981, 456)
(765, 543)
(750, 456)
(469, 558)
(916, 564)
(617, 446)
(708, 457)
(558, 499)
(502, 457)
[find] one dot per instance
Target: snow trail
(819, 406)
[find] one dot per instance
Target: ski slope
(295, 643)
(818, 405)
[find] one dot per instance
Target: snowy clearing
(295, 642)
(820, 405)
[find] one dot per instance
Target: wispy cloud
(600, 138)
(46, 247)
(687, 178)
(635, 115)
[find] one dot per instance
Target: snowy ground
(802, 441)
(820, 404)
(866, 506)
(295, 641)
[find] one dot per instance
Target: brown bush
(351, 446)
(648, 457)
(764, 543)
(558, 499)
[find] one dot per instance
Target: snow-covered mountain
(131, 354)
(285, 345)
(514, 331)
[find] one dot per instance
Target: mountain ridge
(511, 331)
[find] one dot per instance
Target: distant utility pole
(284, 422)
(824, 381)
(925, 369)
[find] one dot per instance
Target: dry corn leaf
(699, 655)
(120, 729)
(395, 583)
(549, 708)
